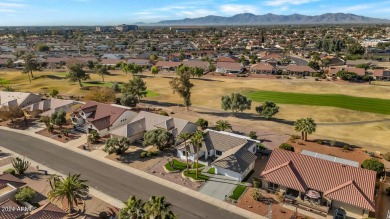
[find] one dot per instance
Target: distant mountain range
(251, 19)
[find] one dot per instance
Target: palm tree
(305, 126)
(158, 208)
(299, 126)
(71, 188)
(134, 208)
(185, 137)
(310, 127)
(197, 140)
(223, 125)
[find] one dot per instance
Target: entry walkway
(218, 186)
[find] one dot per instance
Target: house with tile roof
(381, 74)
(19, 99)
(146, 121)
(48, 107)
(338, 185)
(229, 67)
(101, 117)
(230, 154)
(263, 68)
(167, 65)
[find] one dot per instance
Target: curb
(195, 194)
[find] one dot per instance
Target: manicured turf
(211, 170)
(4, 82)
(237, 192)
(177, 165)
(97, 83)
(199, 165)
(152, 94)
(372, 105)
(192, 174)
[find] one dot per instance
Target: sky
(113, 12)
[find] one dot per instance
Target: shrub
(25, 194)
(53, 92)
(93, 137)
(386, 156)
(256, 194)
(10, 171)
(346, 148)
(295, 136)
(332, 143)
(149, 154)
(103, 215)
(287, 147)
(143, 154)
(300, 143)
(256, 183)
(261, 147)
(155, 153)
(252, 135)
(202, 123)
(163, 113)
(373, 164)
(319, 142)
(20, 165)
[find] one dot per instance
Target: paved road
(110, 180)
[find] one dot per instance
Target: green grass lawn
(211, 170)
(237, 192)
(4, 82)
(97, 83)
(152, 94)
(199, 165)
(177, 165)
(372, 105)
(192, 174)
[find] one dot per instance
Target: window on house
(218, 153)
(184, 153)
(254, 149)
(273, 185)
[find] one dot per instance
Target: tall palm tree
(197, 140)
(299, 127)
(71, 188)
(134, 208)
(310, 127)
(185, 137)
(158, 208)
(223, 125)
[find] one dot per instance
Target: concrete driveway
(218, 186)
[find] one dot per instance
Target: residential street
(110, 180)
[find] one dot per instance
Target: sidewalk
(72, 145)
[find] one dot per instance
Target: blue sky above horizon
(112, 12)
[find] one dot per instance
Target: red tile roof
(339, 182)
(10, 179)
(234, 66)
(358, 71)
(225, 59)
(168, 64)
(48, 211)
(263, 67)
(9, 205)
(102, 115)
(302, 68)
